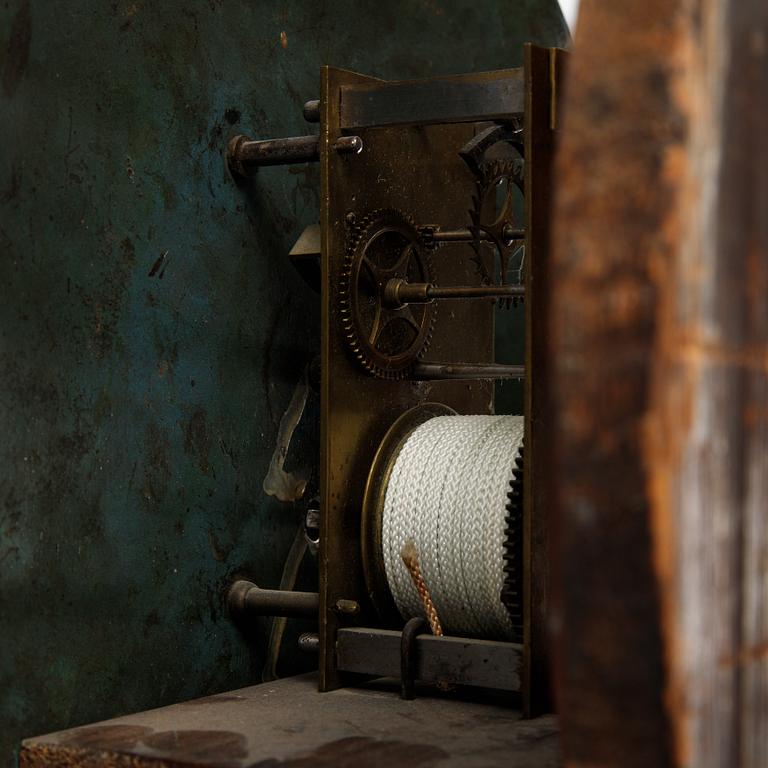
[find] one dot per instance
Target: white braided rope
(448, 493)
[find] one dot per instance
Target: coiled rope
(447, 494)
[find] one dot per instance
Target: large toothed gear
(512, 590)
(495, 230)
(386, 340)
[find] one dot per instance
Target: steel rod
(246, 599)
(425, 371)
(473, 291)
(245, 156)
(398, 292)
(466, 235)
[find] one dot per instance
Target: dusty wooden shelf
(288, 724)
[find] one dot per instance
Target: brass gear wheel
(493, 177)
(386, 341)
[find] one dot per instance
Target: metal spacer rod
(398, 292)
(467, 236)
(245, 600)
(426, 371)
(245, 156)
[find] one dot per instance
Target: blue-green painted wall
(138, 412)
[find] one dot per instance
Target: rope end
(410, 554)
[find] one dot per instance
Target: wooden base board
(287, 724)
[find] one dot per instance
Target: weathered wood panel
(660, 384)
(544, 70)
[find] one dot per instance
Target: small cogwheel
(386, 340)
(492, 219)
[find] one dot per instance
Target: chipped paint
(288, 486)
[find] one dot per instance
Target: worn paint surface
(152, 330)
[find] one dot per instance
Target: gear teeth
(361, 231)
(512, 588)
(489, 173)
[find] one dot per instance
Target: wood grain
(659, 384)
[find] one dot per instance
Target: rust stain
(104, 302)
(669, 412)
(697, 350)
(754, 413)
(220, 551)
(683, 350)
(745, 656)
(13, 189)
(106, 736)
(197, 440)
(17, 53)
(157, 468)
